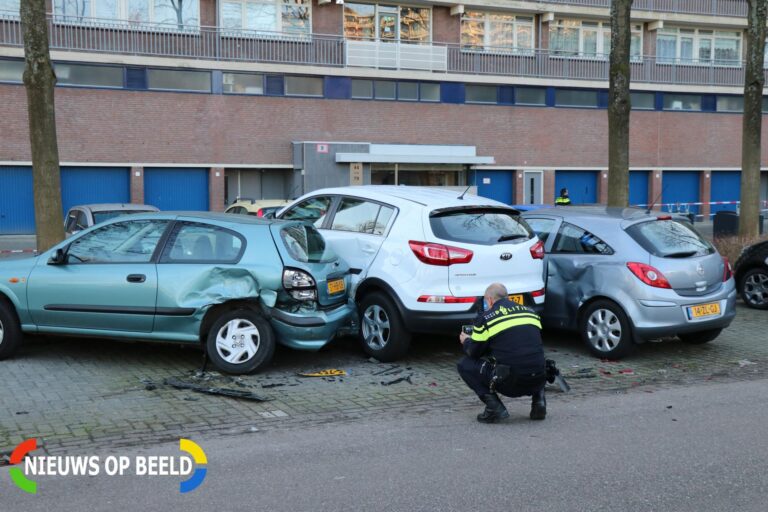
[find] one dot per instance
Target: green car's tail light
(299, 284)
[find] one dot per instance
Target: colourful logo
(17, 475)
(198, 455)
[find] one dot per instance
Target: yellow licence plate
(336, 286)
(518, 299)
(703, 310)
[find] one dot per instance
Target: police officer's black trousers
(478, 377)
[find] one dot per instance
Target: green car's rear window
(306, 244)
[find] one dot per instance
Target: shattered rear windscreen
(306, 244)
(479, 226)
(670, 239)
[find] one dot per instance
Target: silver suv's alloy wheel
(238, 341)
(376, 327)
(756, 289)
(603, 330)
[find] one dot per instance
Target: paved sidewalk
(72, 392)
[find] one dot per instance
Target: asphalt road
(699, 448)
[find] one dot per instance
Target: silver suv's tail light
(299, 284)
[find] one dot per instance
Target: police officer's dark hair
(563, 191)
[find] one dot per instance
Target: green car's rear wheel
(10, 330)
(240, 341)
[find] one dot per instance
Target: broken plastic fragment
(332, 372)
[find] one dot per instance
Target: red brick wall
(135, 127)
(705, 192)
(216, 189)
(445, 28)
(208, 13)
(549, 187)
(137, 185)
(655, 187)
(327, 19)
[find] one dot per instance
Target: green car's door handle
(136, 278)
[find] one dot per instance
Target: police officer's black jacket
(510, 333)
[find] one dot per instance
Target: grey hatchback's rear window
(306, 244)
(483, 226)
(670, 239)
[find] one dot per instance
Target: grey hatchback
(625, 276)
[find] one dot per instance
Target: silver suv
(625, 276)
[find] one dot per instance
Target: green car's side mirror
(59, 257)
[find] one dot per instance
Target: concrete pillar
(216, 189)
(519, 186)
(655, 182)
(137, 185)
(602, 187)
(549, 187)
(705, 192)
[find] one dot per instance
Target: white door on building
(533, 187)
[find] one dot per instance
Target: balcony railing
(734, 8)
(207, 43)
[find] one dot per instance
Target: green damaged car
(237, 285)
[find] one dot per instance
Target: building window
(643, 100)
(693, 46)
(362, 89)
(730, 104)
(241, 83)
(303, 86)
(387, 23)
(429, 92)
(10, 5)
(530, 96)
(496, 32)
(568, 98)
(690, 102)
(481, 94)
(95, 76)
(176, 80)
(180, 14)
(589, 39)
(11, 70)
(291, 16)
(385, 90)
(408, 91)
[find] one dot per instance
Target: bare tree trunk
(754, 80)
(619, 105)
(39, 80)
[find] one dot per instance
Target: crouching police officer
(504, 355)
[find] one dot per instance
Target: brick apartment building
(188, 104)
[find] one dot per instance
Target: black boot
(538, 405)
(494, 409)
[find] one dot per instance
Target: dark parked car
(752, 275)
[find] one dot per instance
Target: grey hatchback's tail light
(299, 284)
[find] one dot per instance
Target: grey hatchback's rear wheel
(381, 329)
(605, 329)
(240, 341)
(10, 330)
(753, 288)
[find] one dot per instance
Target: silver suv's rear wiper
(681, 254)
(507, 238)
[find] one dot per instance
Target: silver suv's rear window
(306, 244)
(483, 226)
(670, 239)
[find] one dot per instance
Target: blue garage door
(680, 187)
(638, 187)
(581, 185)
(176, 189)
(88, 185)
(17, 209)
(726, 186)
(497, 185)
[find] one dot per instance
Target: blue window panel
(176, 189)
(638, 187)
(709, 103)
(338, 88)
(275, 85)
(659, 101)
(726, 186)
(452, 92)
(550, 96)
(602, 99)
(497, 185)
(17, 209)
(136, 78)
(680, 187)
(581, 185)
(88, 185)
(506, 95)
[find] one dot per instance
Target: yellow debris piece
(325, 373)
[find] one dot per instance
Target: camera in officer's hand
(467, 329)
